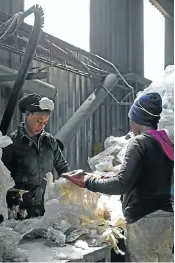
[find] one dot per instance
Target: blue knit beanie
(146, 110)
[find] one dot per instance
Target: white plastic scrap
(21, 227)
(9, 241)
(101, 157)
(74, 235)
(73, 254)
(165, 87)
(63, 225)
(81, 244)
(6, 181)
(106, 160)
(111, 141)
(4, 140)
(57, 236)
(77, 212)
(18, 255)
(50, 188)
(51, 215)
(104, 166)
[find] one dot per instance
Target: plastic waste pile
(165, 87)
(76, 214)
(72, 215)
(67, 219)
(109, 161)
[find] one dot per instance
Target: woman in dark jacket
(32, 155)
(144, 180)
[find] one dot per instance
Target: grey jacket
(29, 161)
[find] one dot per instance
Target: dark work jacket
(29, 161)
(144, 179)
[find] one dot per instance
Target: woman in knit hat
(32, 155)
(144, 180)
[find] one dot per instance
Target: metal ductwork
(30, 86)
(69, 130)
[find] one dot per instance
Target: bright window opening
(65, 19)
(154, 41)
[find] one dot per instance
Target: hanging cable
(24, 66)
(12, 26)
(116, 69)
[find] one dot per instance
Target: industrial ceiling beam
(166, 7)
(30, 76)
(30, 86)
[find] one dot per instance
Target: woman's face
(135, 128)
(37, 122)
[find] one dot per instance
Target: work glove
(77, 177)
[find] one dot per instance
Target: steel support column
(169, 42)
(116, 33)
(11, 7)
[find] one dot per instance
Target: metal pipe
(30, 76)
(31, 86)
(69, 57)
(135, 77)
(69, 130)
(23, 70)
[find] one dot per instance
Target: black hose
(24, 67)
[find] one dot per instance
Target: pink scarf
(165, 142)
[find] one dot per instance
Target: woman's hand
(77, 177)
